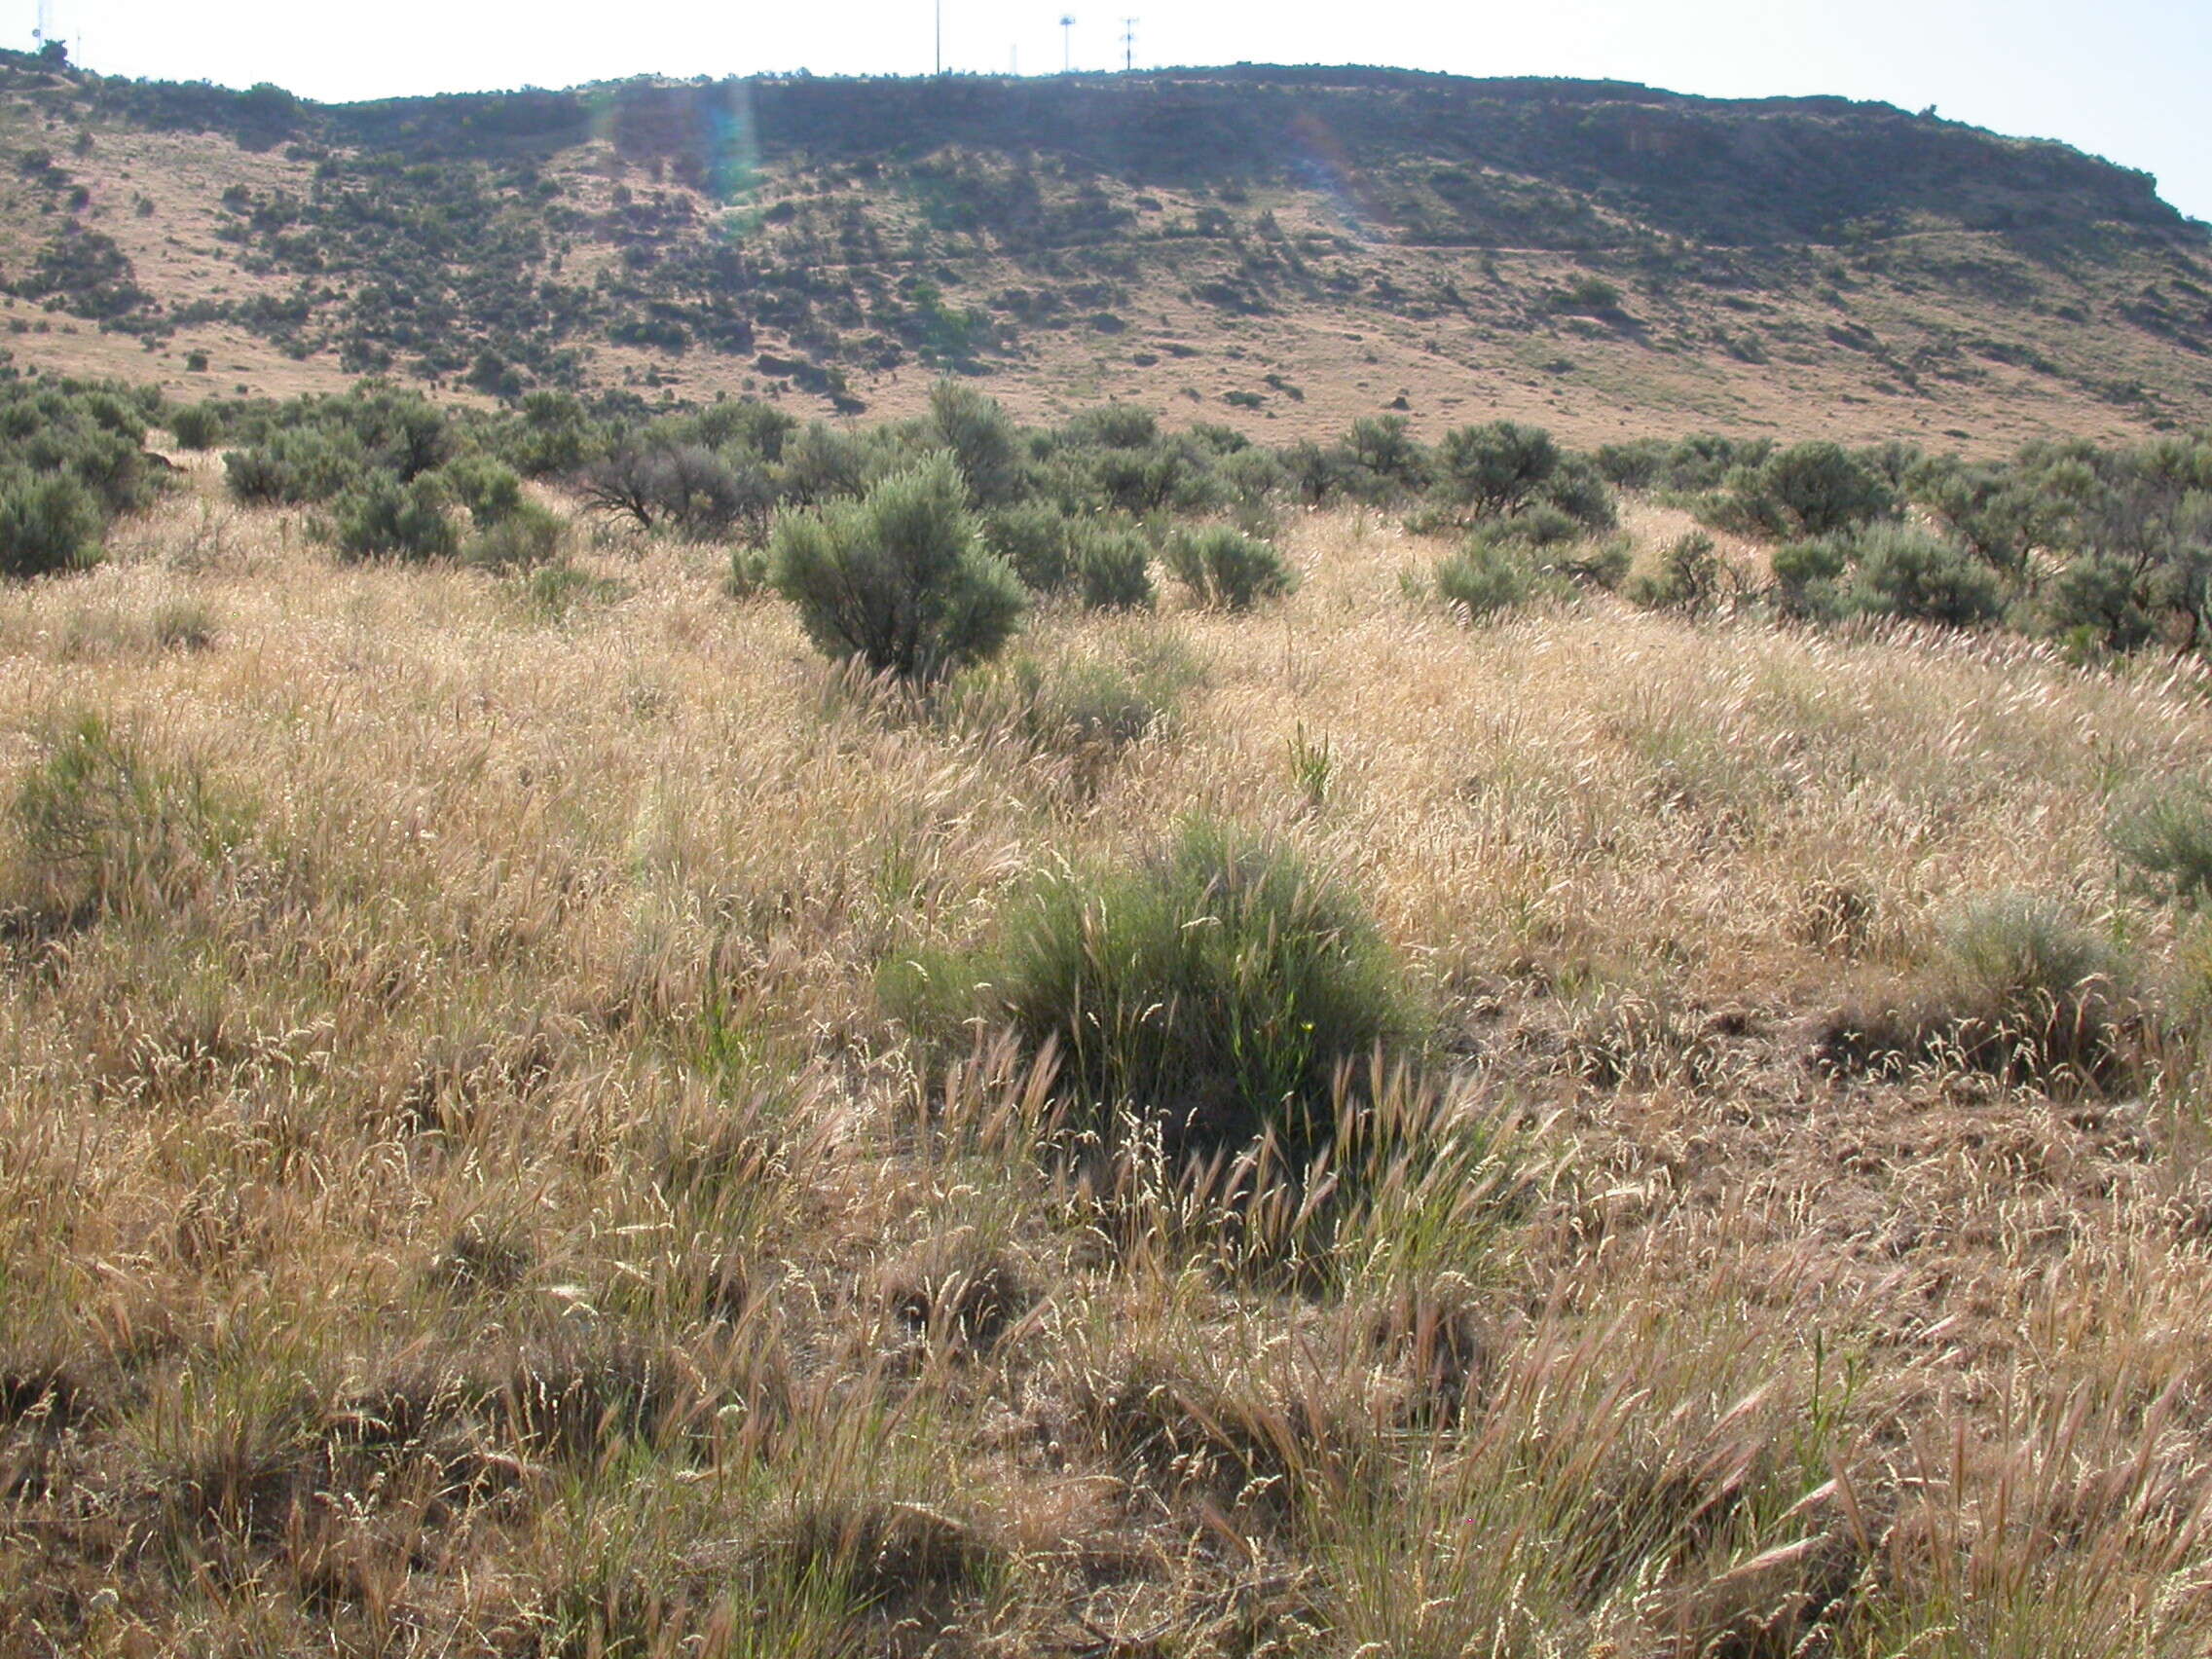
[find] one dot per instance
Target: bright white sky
(2124, 79)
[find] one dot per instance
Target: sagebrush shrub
(490, 489)
(1806, 577)
(521, 538)
(1903, 572)
(381, 518)
(1486, 578)
(981, 439)
(2103, 599)
(1225, 567)
(898, 579)
(1493, 469)
(1086, 706)
(1810, 488)
(197, 426)
(553, 593)
(1689, 575)
(1032, 536)
(1577, 489)
(1111, 566)
(2018, 987)
(48, 524)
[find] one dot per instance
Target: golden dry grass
(480, 1206)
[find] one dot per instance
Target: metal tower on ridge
(1129, 42)
(1067, 42)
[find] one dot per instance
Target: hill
(1279, 248)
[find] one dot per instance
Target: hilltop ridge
(1256, 244)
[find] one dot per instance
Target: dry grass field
(463, 1189)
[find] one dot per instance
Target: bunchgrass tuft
(1215, 989)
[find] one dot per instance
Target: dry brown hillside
(1280, 249)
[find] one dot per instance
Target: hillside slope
(1282, 248)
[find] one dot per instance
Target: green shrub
(1113, 426)
(1032, 536)
(522, 538)
(1494, 469)
(1808, 490)
(1903, 572)
(552, 435)
(48, 524)
(1637, 464)
(1602, 563)
(898, 579)
(2101, 599)
(105, 826)
(197, 426)
(1689, 576)
(379, 518)
(1577, 489)
(1807, 576)
(1226, 568)
(295, 466)
(1586, 293)
(2163, 831)
(2026, 986)
(1383, 445)
(1215, 990)
(1113, 567)
(982, 440)
(488, 488)
(1251, 475)
(1486, 578)
(748, 572)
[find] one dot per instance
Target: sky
(2126, 80)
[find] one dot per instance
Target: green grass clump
(2018, 988)
(1086, 706)
(554, 593)
(1215, 990)
(2164, 835)
(104, 824)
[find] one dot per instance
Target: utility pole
(1129, 42)
(1067, 43)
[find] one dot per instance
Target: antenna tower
(1129, 42)
(44, 30)
(1067, 42)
